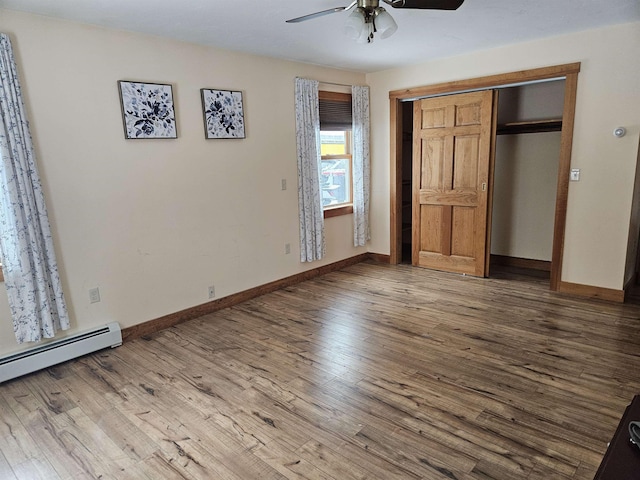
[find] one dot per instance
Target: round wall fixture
(619, 132)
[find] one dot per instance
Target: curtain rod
(341, 84)
(337, 84)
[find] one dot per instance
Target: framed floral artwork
(147, 110)
(223, 113)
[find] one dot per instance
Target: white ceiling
(258, 26)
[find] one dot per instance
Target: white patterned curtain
(28, 260)
(312, 243)
(361, 164)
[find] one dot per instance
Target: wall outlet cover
(94, 295)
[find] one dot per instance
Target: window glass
(336, 181)
(335, 178)
(333, 143)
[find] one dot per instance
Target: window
(336, 180)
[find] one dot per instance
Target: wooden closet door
(452, 155)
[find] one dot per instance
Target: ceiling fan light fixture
(366, 34)
(384, 23)
(364, 22)
(355, 24)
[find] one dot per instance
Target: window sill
(338, 211)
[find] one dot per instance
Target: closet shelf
(532, 126)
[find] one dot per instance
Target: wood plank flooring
(372, 372)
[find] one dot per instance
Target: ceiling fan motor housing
(369, 5)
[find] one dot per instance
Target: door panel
(465, 165)
(431, 177)
(431, 222)
(434, 118)
(462, 240)
(452, 154)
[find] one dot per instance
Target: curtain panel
(28, 260)
(361, 165)
(312, 241)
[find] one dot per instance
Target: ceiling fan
(369, 17)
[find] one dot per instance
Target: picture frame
(223, 113)
(148, 110)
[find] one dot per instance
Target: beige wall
(599, 206)
(153, 223)
(524, 197)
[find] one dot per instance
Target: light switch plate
(575, 175)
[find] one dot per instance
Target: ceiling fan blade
(426, 4)
(311, 16)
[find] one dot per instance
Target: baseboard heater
(58, 351)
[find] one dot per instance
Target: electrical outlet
(94, 295)
(212, 292)
(287, 248)
(283, 184)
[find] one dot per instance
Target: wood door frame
(568, 72)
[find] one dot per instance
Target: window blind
(335, 112)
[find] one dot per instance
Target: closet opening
(529, 178)
(525, 178)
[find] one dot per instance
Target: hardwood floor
(373, 372)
